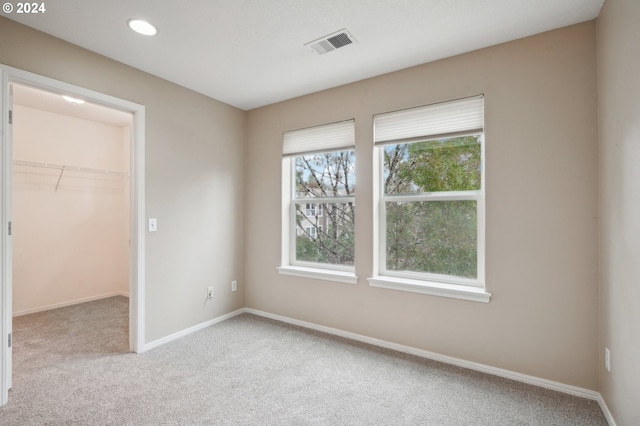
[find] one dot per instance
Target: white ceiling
(53, 102)
(251, 53)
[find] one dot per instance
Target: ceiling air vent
(331, 42)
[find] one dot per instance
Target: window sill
(455, 291)
(319, 274)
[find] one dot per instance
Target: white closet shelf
(65, 167)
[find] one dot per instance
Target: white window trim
(428, 283)
(346, 277)
(292, 219)
(477, 196)
(308, 210)
(456, 291)
(316, 209)
(310, 231)
(327, 272)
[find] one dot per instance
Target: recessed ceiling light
(74, 101)
(142, 27)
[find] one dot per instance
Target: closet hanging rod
(68, 167)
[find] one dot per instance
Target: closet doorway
(70, 201)
(95, 185)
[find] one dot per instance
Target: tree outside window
(328, 222)
(439, 236)
(431, 194)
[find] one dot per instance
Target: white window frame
(310, 231)
(423, 282)
(334, 137)
(313, 210)
(292, 244)
(310, 210)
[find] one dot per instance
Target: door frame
(137, 208)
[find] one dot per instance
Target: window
(431, 199)
(310, 231)
(313, 210)
(319, 202)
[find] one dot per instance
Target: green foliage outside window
(437, 237)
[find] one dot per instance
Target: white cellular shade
(328, 137)
(436, 120)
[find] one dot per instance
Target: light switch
(153, 224)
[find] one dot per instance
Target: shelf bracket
(60, 177)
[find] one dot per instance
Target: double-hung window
(431, 199)
(313, 210)
(319, 202)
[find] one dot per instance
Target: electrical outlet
(234, 285)
(209, 292)
(607, 359)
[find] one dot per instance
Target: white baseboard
(605, 411)
(69, 303)
(524, 378)
(190, 330)
(532, 380)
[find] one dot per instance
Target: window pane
(328, 174)
(437, 237)
(327, 238)
(433, 166)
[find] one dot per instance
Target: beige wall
(542, 264)
(541, 170)
(194, 177)
(70, 232)
(619, 125)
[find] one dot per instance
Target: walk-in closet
(70, 201)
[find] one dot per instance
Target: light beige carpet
(71, 368)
